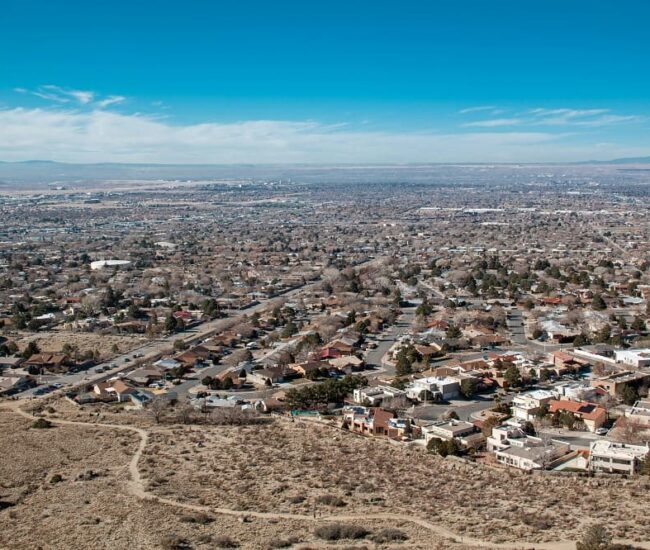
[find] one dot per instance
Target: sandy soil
(294, 467)
(272, 486)
(85, 341)
(93, 506)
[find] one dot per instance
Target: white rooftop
(618, 450)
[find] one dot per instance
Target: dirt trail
(137, 487)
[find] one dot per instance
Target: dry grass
(91, 507)
(54, 341)
(67, 487)
(297, 468)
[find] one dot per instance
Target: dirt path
(137, 487)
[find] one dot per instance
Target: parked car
(601, 431)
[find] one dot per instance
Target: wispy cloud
(61, 95)
(478, 109)
(110, 100)
(106, 136)
(493, 123)
(557, 117)
(77, 126)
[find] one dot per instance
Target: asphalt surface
(515, 324)
(386, 340)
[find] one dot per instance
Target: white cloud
(557, 117)
(106, 136)
(82, 97)
(493, 123)
(478, 109)
(62, 94)
(110, 100)
(58, 94)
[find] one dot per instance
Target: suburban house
(13, 384)
(433, 387)
(345, 346)
(637, 358)
(639, 413)
(465, 433)
(614, 383)
(513, 447)
(198, 354)
(328, 353)
(309, 367)
(578, 391)
(10, 362)
(375, 395)
(592, 415)
(563, 361)
(270, 375)
(144, 376)
(616, 458)
(114, 389)
(370, 421)
(377, 422)
(428, 351)
(526, 406)
(47, 361)
(347, 363)
(167, 363)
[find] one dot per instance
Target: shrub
(41, 424)
(389, 534)
(595, 537)
(56, 478)
(338, 531)
(172, 542)
(225, 542)
(282, 543)
(198, 517)
(331, 500)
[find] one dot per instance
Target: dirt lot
(90, 506)
(84, 341)
(70, 486)
(299, 468)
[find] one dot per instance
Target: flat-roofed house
(616, 458)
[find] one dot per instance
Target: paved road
(515, 324)
(386, 340)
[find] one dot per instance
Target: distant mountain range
(44, 173)
(626, 160)
(45, 163)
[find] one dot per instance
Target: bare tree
(185, 413)
(157, 409)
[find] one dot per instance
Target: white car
(601, 431)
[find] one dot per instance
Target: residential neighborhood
(500, 349)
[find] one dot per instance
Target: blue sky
(355, 81)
